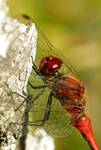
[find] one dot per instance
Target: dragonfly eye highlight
(49, 66)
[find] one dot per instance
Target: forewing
(59, 122)
(45, 48)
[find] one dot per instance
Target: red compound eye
(54, 63)
(50, 65)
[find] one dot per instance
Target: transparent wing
(45, 48)
(59, 122)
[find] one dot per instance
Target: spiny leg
(22, 96)
(28, 107)
(37, 87)
(48, 109)
(11, 93)
(26, 97)
(38, 71)
(34, 98)
(46, 114)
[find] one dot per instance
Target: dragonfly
(62, 102)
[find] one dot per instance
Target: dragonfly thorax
(70, 92)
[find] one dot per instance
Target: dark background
(74, 27)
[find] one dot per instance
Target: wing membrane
(45, 48)
(59, 122)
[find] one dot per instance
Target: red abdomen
(70, 93)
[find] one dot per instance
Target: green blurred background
(74, 27)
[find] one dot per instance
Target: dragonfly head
(50, 66)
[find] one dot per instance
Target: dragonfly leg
(11, 93)
(48, 108)
(28, 98)
(46, 115)
(37, 87)
(38, 71)
(35, 68)
(30, 101)
(25, 99)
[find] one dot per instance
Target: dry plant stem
(17, 45)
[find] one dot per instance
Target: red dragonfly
(61, 104)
